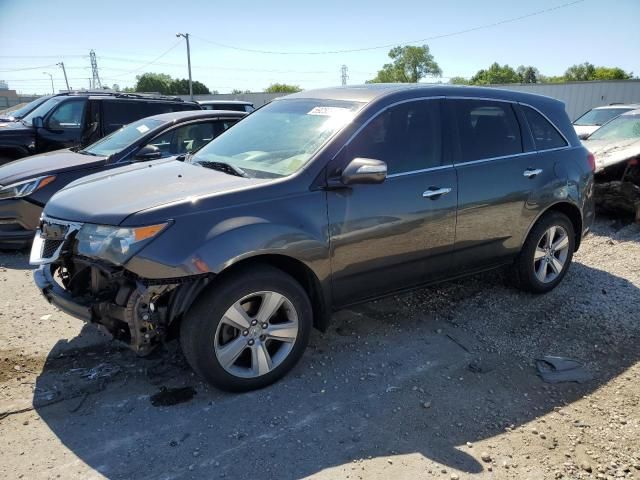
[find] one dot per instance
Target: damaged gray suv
(316, 201)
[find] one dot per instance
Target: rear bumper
(19, 220)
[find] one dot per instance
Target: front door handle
(433, 193)
(532, 172)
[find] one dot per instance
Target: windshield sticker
(329, 111)
(143, 129)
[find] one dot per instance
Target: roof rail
(150, 96)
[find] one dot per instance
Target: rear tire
(248, 330)
(546, 254)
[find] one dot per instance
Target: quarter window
(486, 129)
(545, 135)
(68, 115)
(407, 137)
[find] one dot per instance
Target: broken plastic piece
(562, 369)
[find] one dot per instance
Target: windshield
(43, 109)
(121, 139)
(599, 116)
(23, 110)
(280, 138)
(621, 128)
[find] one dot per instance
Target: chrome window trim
(568, 145)
(534, 152)
(422, 170)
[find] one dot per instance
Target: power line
(389, 45)
(151, 62)
(28, 68)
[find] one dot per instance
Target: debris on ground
(562, 369)
(167, 397)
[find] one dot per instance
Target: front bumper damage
(141, 313)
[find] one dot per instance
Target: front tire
(248, 330)
(546, 254)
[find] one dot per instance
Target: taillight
(592, 161)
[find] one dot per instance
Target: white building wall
(582, 96)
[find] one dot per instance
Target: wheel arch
(571, 211)
(303, 274)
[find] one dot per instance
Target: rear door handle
(532, 172)
(435, 192)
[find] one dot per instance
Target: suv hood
(611, 152)
(46, 164)
(15, 128)
(109, 198)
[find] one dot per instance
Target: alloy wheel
(256, 334)
(551, 253)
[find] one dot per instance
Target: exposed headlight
(115, 244)
(25, 187)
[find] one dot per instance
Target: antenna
(94, 70)
(344, 74)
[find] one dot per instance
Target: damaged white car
(616, 147)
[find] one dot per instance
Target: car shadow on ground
(421, 373)
(15, 259)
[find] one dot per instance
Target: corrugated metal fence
(582, 96)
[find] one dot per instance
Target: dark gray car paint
(356, 247)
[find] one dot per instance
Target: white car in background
(616, 146)
(589, 122)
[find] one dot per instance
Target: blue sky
(126, 35)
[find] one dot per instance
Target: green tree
(580, 73)
(282, 88)
(611, 73)
(181, 87)
(459, 81)
(409, 65)
(496, 73)
(528, 74)
(154, 82)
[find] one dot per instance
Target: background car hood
(45, 164)
(610, 152)
(14, 127)
(109, 198)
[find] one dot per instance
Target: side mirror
(148, 152)
(364, 170)
(37, 122)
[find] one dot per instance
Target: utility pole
(186, 37)
(94, 70)
(344, 74)
(61, 64)
(53, 90)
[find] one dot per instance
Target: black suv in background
(316, 201)
(28, 183)
(78, 119)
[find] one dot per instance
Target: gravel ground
(439, 383)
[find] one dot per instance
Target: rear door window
(118, 113)
(545, 135)
(189, 138)
(486, 129)
(406, 136)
